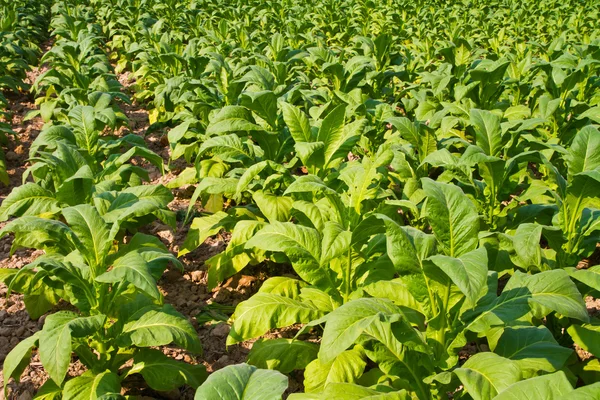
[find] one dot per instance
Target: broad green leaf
(302, 245)
(453, 217)
(331, 131)
(468, 272)
(484, 375)
(200, 230)
(407, 247)
(297, 123)
(349, 391)
(41, 233)
(265, 311)
(308, 183)
(589, 276)
(28, 199)
(158, 327)
(55, 340)
(283, 286)
(275, 208)
(532, 348)
(283, 355)
(336, 242)
(243, 382)
(338, 147)
(395, 290)
(488, 133)
(584, 153)
(163, 373)
(228, 147)
(346, 323)
(91, 386)
(554, 290)
(134, 269)
(549, 291)
(92, 231)
(589, 392)
(263, 103)
(587, 336)
(49, 391)
(235, 257)
(83, 121)
(18, 359)
(546, 387)
(346, 367)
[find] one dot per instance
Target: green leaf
(91, 386)
(29, 199)
(134, 269)
(243, 382)
(49, 391)
(302, 245)
(453, 217)
(264, 311)
(283, 355)
(546, 387)
(158, 327)
(584, 153)
(395, 290)
(346, 367)
(235, 257)
(297, 123)
(309, 183)
(346, 323)
(338, 148)
(468, 272)
(83, 121)
(587, 336)
(532, 348)
(92, 231)
(336, 242)
(407, 247)
(488, 133)
(200, 230)
(275, 208)
(163, 373)
(18, 359)
(589, 392)
(55, 340)
(263, 103)
(349, 391)
(548, 291)
(228, 147)
(554, 290)
(589, 276)
(484, 375)
(41, 233)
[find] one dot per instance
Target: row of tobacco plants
(430, 172)
(82, 202)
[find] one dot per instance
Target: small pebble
(221, 330)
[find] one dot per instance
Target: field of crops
(327, 199)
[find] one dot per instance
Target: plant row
(83, 202)
(23, 27)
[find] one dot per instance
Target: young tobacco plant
(565, 211)
(120, 311)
